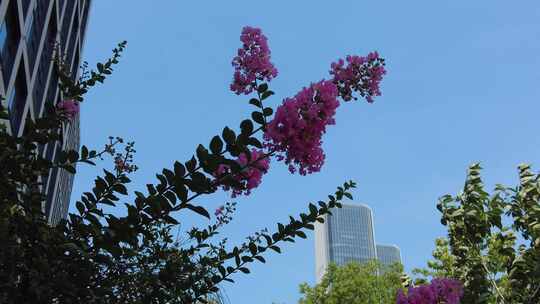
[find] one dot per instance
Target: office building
(347, 235)
(388, 254)
(32, 32)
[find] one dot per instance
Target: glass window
(3, 36)
(29, 24)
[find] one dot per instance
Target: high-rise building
(388, 254)
(31, 34)
(347, 235)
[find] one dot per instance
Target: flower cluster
(68, 108)
(440, 290)
(297, 128)
(123, 162)
(252, 62)
(251, 175)
(359, 74)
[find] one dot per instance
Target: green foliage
(97, 257)
(442, 266)
(355, 283)
(481, 250)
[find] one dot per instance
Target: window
(30, 23)
(3, 36)
(17, 99)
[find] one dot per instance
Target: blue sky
(462, 86)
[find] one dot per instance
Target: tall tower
(347, 235)
(31, 31)
(388, 254)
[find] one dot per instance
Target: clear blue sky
(463, 85)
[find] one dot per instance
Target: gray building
(347, 235)
(31, 32)
(388, 254)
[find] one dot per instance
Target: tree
(485, 253)
(94, 256)
(442, 265)
(355, 283)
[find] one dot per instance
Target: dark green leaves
(179, 169)
(255, 102)
(216, 145)
(247, 127)
(191, 164)
(268, 111)
(198, 209)
(262, 88)
(258, 117)
(229, 136)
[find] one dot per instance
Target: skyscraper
(31, 33)
(388, 254)
(347, 235)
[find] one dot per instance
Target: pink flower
(297, 128)
(252, 62)
(250, 177)
(219, 211)
(360, 74)
(119, 164)
(68, 108)
(440, 290)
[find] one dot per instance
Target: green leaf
(313, 209)
(80, 207)
(181, 191)
(191, 164)
(171, 220)
(247, 127)
(253, 141)
(120, 189)
(216, 145)
(179, 169)
(266, 95)
(70, 169)
(275, 248)
(229, 136)
(243, 269)
(268, 111)
(84, 152)
(199, 210)
(255, 102)
(262, 87)
(257, 117)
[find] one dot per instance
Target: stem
(260, 100)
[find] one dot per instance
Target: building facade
(347, 235)
(388, 254)
(32, 32)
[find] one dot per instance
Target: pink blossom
(440, 290)
(252, 62)
(119, 164)
(360, 74)
(297, 128)
(219, 211)
(251, 175)
(68, 108)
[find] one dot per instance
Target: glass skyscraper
(32, 32)
(388, 254)
(347, 235)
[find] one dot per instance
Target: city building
(388, 254)
(346, 235)
(31, 34)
